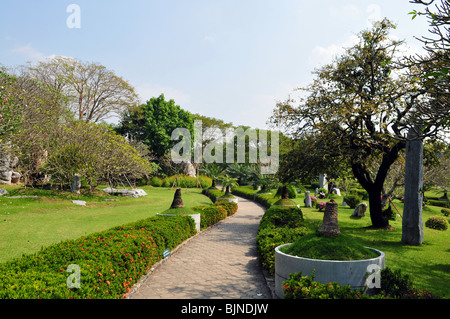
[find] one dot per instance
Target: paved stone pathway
(220, 262)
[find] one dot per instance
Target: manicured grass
(28, 224)
(316, 246)
(427, 264)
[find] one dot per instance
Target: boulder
(3, 192)
(360, 210)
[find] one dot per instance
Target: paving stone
(220, 262)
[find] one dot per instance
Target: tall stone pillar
(412, 224)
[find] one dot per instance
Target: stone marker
(308, 199)
(3, 192)
(412, 224)
(79, 202)
(76, 184)
(177, 200)
(360, 210)
(330, 227)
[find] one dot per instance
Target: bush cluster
(394, 285)
(352, 200)
(439, 203)
(213, 193)
(183, 181)
(210, 215)
(438, 223)
(445, 212)
(110, 261)
(279, 225)
(264, 199)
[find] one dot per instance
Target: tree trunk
(228, 192)
(213, 183)
(376, 209)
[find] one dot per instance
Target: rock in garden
(360, 210)
(177, 200)
(76, 184)
(5, 175)
(3, 192)
(330, 227)
(79, 202)
(308, 199)
(15, 177)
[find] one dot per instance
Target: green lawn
(27, 224)
(428, 264)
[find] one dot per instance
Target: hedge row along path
(220, 262)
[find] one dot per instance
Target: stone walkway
(220, 262)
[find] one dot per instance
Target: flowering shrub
(438, 223)
(394, 285)
(210, 215)
(230, 207)
(321, 206)
(304, 287)
(110, 262)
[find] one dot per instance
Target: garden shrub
(304, 287)
(360, 192)
(438, 223)
(269, 238)
(213, 193)
(230, 207)
(210, 215)
(110, 262)
(279, 216)
(445, 212)
(439, 203)
(394, 285)
(279, 225)
(352, 200)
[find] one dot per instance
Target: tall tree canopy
(358, 108)
(93, 93)
(152, 123)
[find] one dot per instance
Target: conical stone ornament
(177, 201)
(330, 226)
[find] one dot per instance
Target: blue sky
(227, 59)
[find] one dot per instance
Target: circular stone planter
(195, 217)
(345, 272)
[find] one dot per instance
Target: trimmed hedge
(279, 225)
(183, 181)
(264, 199)
(110, 262)
(213, 193)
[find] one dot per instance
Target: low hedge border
(279, 225)
(110, 262)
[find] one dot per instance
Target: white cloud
(147, 90)
(29, 52)
(322, 55)
(209, 38)
(348, 11)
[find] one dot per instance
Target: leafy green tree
(152, 123)
(95, 152)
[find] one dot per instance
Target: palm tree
(242, 172)
(265, 181)
(214, 172)
(228, 182)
